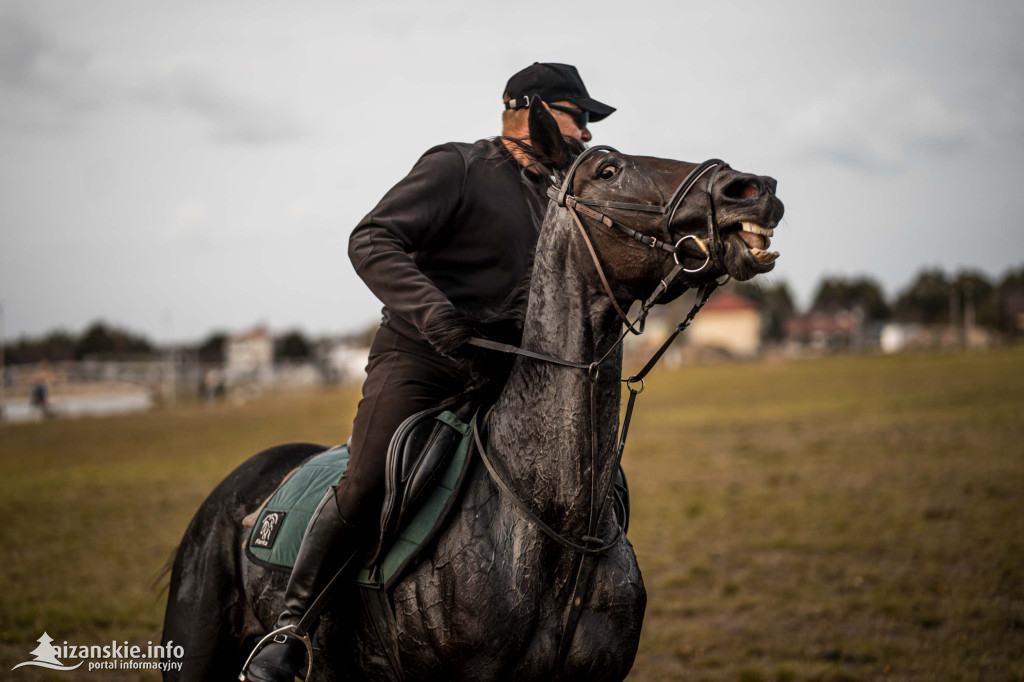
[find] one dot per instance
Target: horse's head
(710, 218)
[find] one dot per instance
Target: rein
(710, 248)
(589, 546)
(586, 546)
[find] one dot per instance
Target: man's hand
(447, 331)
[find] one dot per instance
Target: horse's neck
(540, 430)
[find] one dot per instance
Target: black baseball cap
(553, 83)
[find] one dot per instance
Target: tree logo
(46, 656)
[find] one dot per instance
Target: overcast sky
(179, 167)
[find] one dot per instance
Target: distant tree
(775, 302)
(840, 293)
(972, 289)
(100, 340)
(932, 296)
(1014, 279)
(57, 346)
(212, 348)
(1010, 301)
(97, 340)
(926, 300)
(292, 345)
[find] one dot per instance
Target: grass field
(838, 520)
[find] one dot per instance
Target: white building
(249, 358)
(728, 322)
(346, 364)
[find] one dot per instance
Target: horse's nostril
(741, 189)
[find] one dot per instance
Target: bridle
(711, 247)
(589, 547)
(562, 197)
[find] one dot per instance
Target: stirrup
(273, 636)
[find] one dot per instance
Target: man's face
(568, 124)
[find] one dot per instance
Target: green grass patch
(852, 518)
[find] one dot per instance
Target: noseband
(711, 247)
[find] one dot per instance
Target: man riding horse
(453, 238)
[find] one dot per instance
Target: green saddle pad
(278, 532)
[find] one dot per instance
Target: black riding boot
(328, 545)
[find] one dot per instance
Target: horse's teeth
(764, 257)
(757, 229)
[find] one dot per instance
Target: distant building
(728, 322)
(249, 358)
(897, 336)
(828, 330)
(297, 375)
(343, 363)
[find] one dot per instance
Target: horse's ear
(545, 137)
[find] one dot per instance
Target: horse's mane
(570, 150)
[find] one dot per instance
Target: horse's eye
(607, 172)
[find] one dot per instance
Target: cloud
(231, 116)
(876, 122)
(49, 87)
(31, 60)
(44, 85)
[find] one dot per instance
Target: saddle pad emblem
(269, 527)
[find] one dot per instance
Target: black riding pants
(403, 377)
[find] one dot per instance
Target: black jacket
(459, 230)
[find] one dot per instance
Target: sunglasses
(581, 116)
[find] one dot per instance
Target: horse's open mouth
(757, 239)
(747, 251)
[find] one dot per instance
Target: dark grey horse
(490, 600)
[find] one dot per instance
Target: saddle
(420, 448)
(427, 465)
(419, 451)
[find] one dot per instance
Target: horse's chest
(495, 608)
